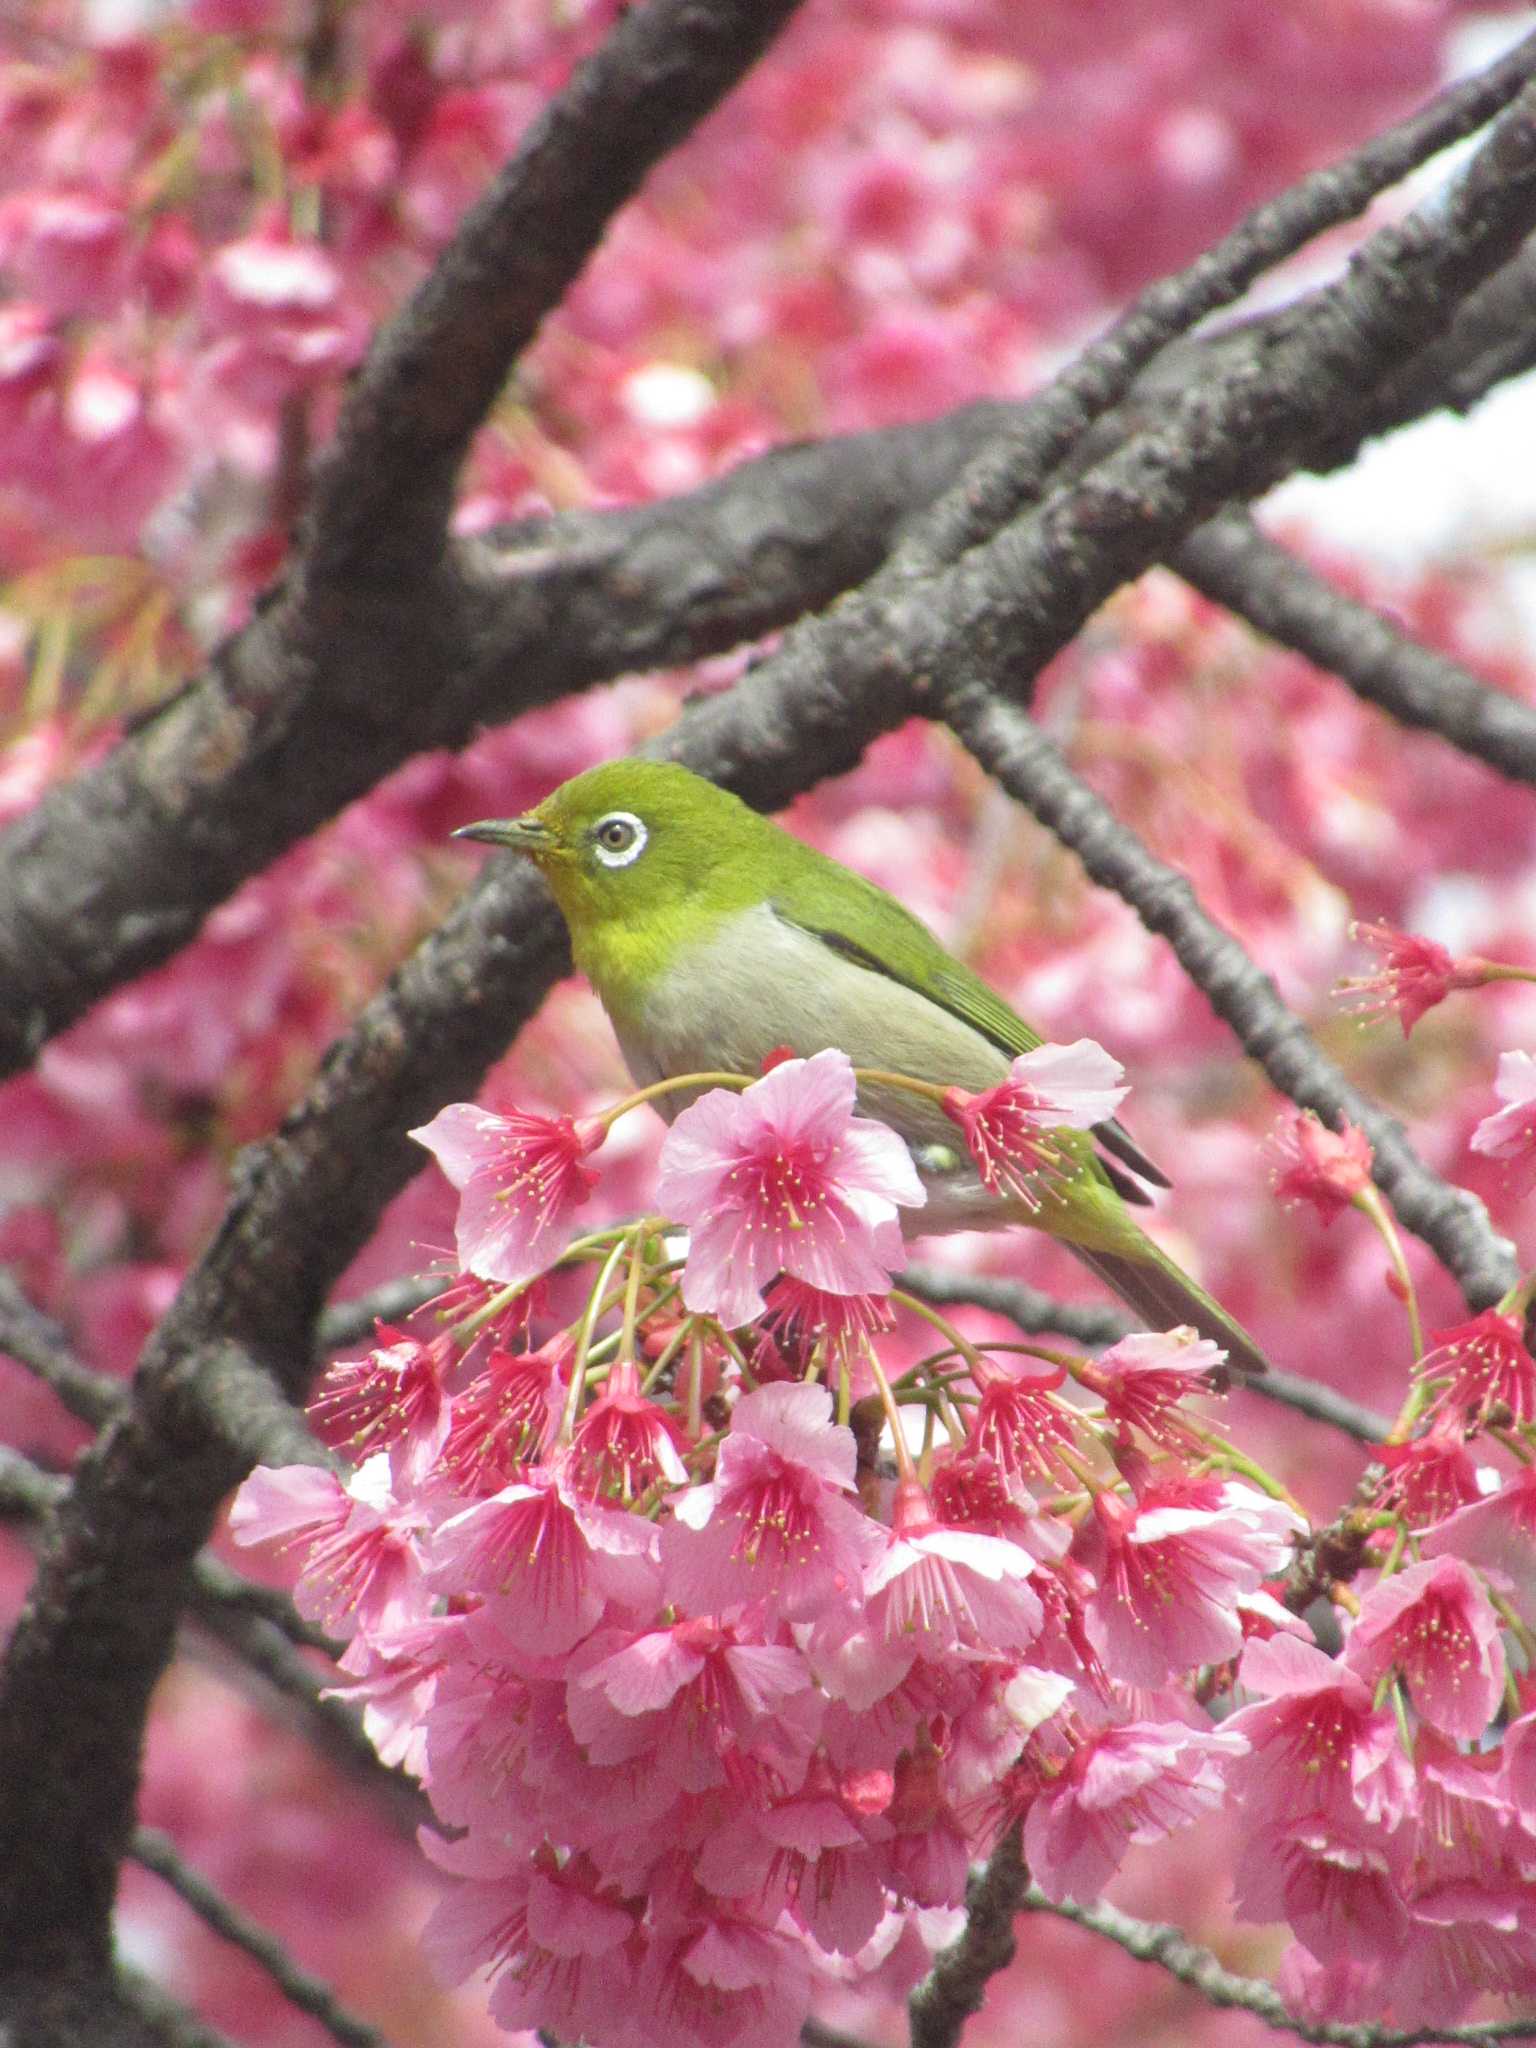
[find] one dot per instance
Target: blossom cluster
(722, 1646)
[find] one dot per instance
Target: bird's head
(633, 838)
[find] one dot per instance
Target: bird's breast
(757, 983)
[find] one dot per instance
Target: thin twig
(1450, 1220)
(346, 1323)
(36, 1341)
(1232, 562)
(1093, 1323)
(1044, 435)
(1151, 1942)
(157, 1852)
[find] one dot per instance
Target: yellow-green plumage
(712, 937)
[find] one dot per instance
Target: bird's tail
(1164, 1295)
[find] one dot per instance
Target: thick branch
(303, 710)
(436, 369)
(1450, 1220)
(316, 700)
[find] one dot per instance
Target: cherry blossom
(1510, 1133)
(364, 1563)
(1316, 1736)
(1486, 1369)
(1415, 974)
(1329, 1169)
(784, 1177)
(1125, 1784)
(519, 1176)
(1007, 1128)
(1432, 1623)
(1169, 1570)
(394, 1398)
(777, 1521)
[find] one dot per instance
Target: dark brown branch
(1235, 564)
(37, 1342)
(103, 1617)
(956, 1985)
(1450, 1220)
(436, 369)
(310, 1994)
(301, 711)
(114, 871)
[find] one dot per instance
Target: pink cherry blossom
(1429, 1476)
(1018, 1422)
(393, 1399)
(625, 1444)
(507, 1415)
(363, 1566)
(1510, 1133)
(1329, 1169)
(552, 1935)
(1143, 1378)
(1487, 1368)
(1414, 975)
(1340, 1888)
(1169, 1571)
(1316, 1739)
(548, 1560)
(519, 1177)
(696, 1699)
(714, 1977)
(779, 1520)
(936, 1592)
(1131, 1783)
(1497, 1533)
(784, 1177)
(1433, 1624)
(1007, 1128)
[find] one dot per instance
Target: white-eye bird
(714, 937)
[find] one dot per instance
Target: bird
(715, 939)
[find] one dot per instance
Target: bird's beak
(528, 834)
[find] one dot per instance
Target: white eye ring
(619, 839)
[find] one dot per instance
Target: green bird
(713, 937)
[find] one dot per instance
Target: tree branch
(1151, 1942)
(1236, 565)
(1097, 1323)
(956, 1985)
(310, 1994)
(1450, 1220)
(116, 870)
(113, 871)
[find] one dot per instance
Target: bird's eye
(619, 839)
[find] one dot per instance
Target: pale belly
(759, 984)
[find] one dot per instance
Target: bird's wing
(894, 943)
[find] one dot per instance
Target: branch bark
(114, 871)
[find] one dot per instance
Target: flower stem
(596, 1303)
(1369, 1203)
